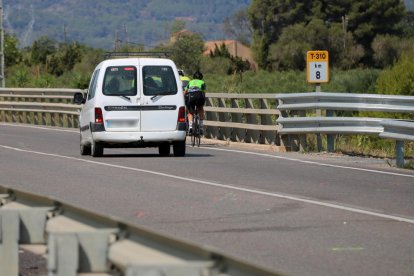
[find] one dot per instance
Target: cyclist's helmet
(197, 75)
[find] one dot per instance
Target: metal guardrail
(400, 131)
(39, 106)
(298, 121)
(345, 101)
(274, 119)
(247, 118)
(329, 125)
(79, 241)
(236, 117)
(301, 114)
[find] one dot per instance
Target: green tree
(235, 65)
(268, 18)
(42, 48)
(19, 77)
(372, 17)
(344, 52)
(399, 79)
(64, 59)
(289, 52)
(186, 51)
(220, 51)
(387, 49)
(12, 54)
(352, 22)
(407, 24)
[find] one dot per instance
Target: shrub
(398, 80)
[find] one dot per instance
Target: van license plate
(120, 124)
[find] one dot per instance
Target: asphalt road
(299, 214)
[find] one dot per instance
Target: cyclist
(184, 81)
(195, 96)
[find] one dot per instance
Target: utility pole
(117, 42)
(65, 33)
(2, 79)
(126, 37)
(344, 28)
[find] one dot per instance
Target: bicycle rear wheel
(195, 138)
(194, 131)
(198, 140)
(198, 131)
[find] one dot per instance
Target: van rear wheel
(179, 148)
(84, 149)
(97, 149)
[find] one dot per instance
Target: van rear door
(161, 96)
(120, 98)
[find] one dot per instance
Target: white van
(133, 102)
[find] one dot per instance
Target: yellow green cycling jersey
(196, 85)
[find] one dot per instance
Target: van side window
(92, 86)
(159, 80)
(120, 81)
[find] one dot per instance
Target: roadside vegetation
(370, 46)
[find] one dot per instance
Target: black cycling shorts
(195, 98)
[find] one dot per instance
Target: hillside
(95, 23)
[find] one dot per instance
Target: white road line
(40, 127)
(257, 192)
(312, 162)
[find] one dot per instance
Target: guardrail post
(330, 137)
(237, 135)
(9, 242)
(266, 136)
(252, 136)
(63, 254)
(399, 151)
(20, 224)
(211, 131)
(78, 245)
(223, 133)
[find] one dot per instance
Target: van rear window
(159, 80)
(120, 81)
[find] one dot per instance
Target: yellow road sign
(317, 66)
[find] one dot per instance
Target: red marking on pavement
(140, 214)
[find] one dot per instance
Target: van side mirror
(78, 98)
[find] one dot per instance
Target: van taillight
(98, 115)
(181, 115)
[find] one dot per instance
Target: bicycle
(196, 130)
